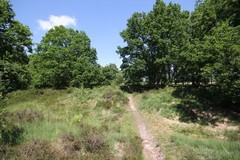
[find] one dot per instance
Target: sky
(102, 20)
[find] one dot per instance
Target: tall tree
(224, 49)
(153, 40)
(64, 58)
(15, 42)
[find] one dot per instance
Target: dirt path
(150, 149)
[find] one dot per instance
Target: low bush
(94, 142)
(104, 104)
(37, 149)
(70, 143)
(28, 115)
(10, 133)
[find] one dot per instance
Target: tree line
(63, 58)
(171, 46)
(164, 46)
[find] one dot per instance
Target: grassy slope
(72, 124)
(186, 130)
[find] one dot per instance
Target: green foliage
(10, 133)
(110, 73)
(224, 48)
(168, 45)
(153, 41)
(15, 42)
(65, 58)
(86, 74)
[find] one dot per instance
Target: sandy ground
(150, 149)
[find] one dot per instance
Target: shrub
(116, 96)
(94, 142)
(70, 143)
(8, 152)
(10, 133)
(37, 149)
(104, 104)
(28, 115)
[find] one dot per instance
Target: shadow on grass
(203, 105)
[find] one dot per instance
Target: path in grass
(150, 149)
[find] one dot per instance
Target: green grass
(206, 148)
(185, 125)
(159, 101)
(75, 123)
(48, 131)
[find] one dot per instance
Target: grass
(206, 148)
(72, 124)
(159, 101)
(190, 126)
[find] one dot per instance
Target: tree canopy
(15, 42)
(169, 45)
(154, 40)
(65, 58)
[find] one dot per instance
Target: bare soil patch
(150, 149)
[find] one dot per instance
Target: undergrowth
(71, 124)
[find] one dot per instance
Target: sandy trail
(150, 149)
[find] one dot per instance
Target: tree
(153, 40)
(86, 74)
(224, 48)
(64, 58)
(110, 73)
(15, 42)
(227, 11)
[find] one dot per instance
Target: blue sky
(102, 20)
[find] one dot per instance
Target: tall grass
(206, 148)
(75, 123)
(160, 101)
(185, 125)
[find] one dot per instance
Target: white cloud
(57, 21)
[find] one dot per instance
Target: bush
(37, 149)
(104, 104)
(70, 143)
(28, 115)
(10, 134)
(8, 152)
(94, 142)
